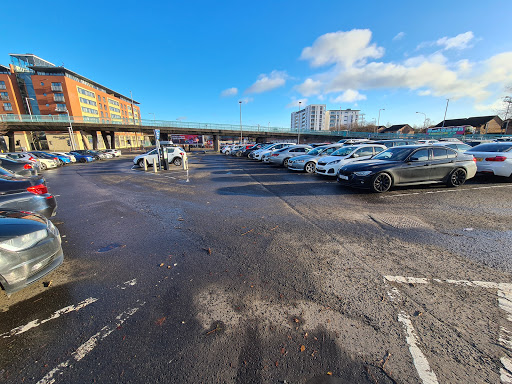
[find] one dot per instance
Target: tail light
(40, 189)
(32, 159)
(275, 154)
(496, 158)
(182, 154)
(27, 166)
(56, 159)
(474, 159)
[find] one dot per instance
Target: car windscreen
(492, 147)
(317, 151)
(5, 172)
(394, 154)
(344, 151)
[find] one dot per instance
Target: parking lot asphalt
(249, 273)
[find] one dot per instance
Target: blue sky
(195, 60)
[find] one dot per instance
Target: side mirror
(355, 155)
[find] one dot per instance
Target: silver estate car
(308, 162)
(282, 156)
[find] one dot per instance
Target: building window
(113, 102)
(85, 92)
(4, 95)
(42, 84)
(47, 105)
(99, 97)
(7, 107)
(57, 87)
(58, 97)
(86, 101)
(113, 109)
(61, 108)
(44, 94)
(2, 85)
(104, 100)
(89, 110)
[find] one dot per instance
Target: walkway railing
(147, 123)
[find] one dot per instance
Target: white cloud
(460, 41)
(345, 48)
(229, 92)
(295, 103)
(493, 107)
(266, 83)
(399, 36)
(349, 96)
(434, 75)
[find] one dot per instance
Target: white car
(260, 154)
(493, 158)
(329, 165)
(174, 154)
(113, 152)
(46, 161)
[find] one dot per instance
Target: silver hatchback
(308, 162)
(283, 156)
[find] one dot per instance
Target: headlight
(25, 241)
(297, 161)
(334, 162)
(362, 173)
(53, 229)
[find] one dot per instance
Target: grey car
(19, 167)
(308, 162)
(30, 248)
(283, 156)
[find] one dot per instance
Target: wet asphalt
(249, 273)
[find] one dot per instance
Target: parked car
(107, 155)
(329, 165)
(260, 154)
(395, 142)
(46, 161)
(428, 141)
(459, 147)
(352, 141)
(256, 151)
(19, 167)
(62, 155)
(88, 152)
(283, 156)
(114, 152)
(175, 156)
(26, 156)
(26, 194)
(253, 148)
(240, 149)
(30, 248)
(82, 158)
(494, 158)
(308, 162)
(409, 165)
(63, 159)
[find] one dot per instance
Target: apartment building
(342, 119)
(45, 89)
(315, 117)
(311, 118)
(31, 85)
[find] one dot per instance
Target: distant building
(340, 120)
(397, 128)
(479, 125)
(31, 85)
(311, 118)
(315, 117)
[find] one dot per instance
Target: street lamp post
(378, 120)
(241, 135)
(425, 120)
(299, 122)
(28, 106)
(446, 109)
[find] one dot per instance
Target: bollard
(154, 166)
(145, 165)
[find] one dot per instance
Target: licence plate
(343, 177)
(479, 159)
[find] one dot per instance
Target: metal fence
(248, 129)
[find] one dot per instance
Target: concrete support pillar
(105, 139)
(85, 142)
(12, 143)
(94, 135)
(112, 139)
(216, 142)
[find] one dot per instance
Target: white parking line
(36, 323)
(504, 293)
(425, 373)
(84, 349)
(446, 191)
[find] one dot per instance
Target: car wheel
(239, 154)
(43, 166)
(457, 177)
(310, 167)
(285, 162)
(141, 163)
(177, 161)
(381, 182)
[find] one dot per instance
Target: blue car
(63, 159)
(82, 158)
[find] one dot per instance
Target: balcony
(3, 86)
(61, 109)
(5, 98)
(7, 108)
(57, 88)
(58, 98)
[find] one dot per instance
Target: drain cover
(400, 222)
